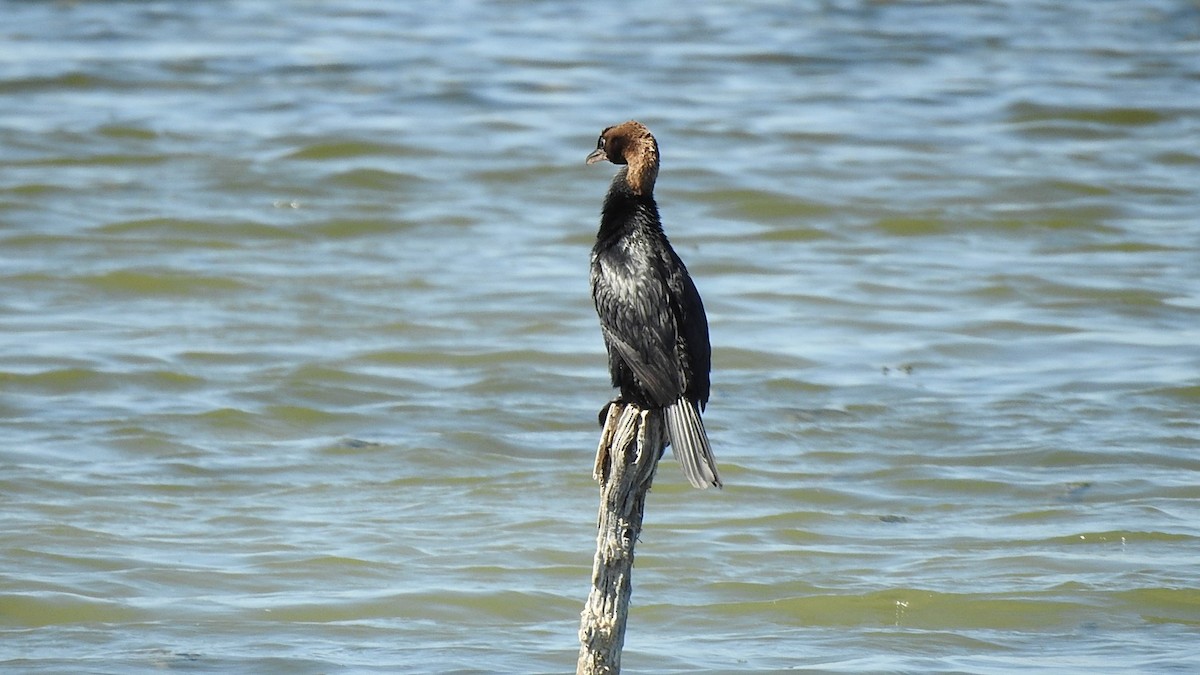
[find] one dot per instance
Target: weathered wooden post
(630, 446)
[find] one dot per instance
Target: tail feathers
(689, 444)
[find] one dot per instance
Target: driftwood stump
(630, 446)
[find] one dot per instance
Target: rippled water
(299, 373)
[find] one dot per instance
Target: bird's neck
(626, 210)
(642, 169)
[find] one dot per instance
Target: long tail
(689, 444)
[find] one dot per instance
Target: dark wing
(639, 327)
(694, 332)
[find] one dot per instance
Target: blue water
(299, 371)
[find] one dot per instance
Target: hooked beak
(597, 156)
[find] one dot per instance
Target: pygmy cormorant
(651, 315)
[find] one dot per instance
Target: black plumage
(651, 315)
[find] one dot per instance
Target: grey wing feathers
(625, 309)
(659, 383)
(689, 444)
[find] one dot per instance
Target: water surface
(299, 372)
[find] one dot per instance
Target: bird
(651, 315)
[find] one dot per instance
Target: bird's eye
(600, 143)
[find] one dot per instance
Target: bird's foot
(603, 415)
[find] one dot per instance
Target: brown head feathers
(632, 144)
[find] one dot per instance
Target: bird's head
(630, 143)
